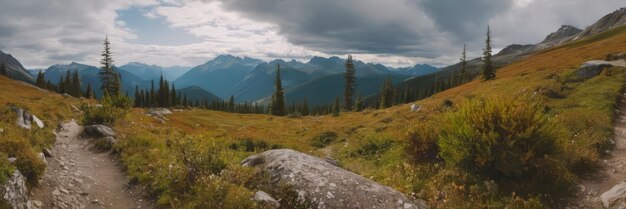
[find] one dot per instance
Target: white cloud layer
(393, 32)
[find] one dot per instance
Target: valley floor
(78, 176)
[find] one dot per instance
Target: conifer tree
(89, 92)
(108, 76)
(489, 72)
(69, 85)
(277, 106)
(41, 80)
(358, 105)
(463, 76)
(350, 80)
(305, 108)
(62, 84)
(137, 97)
(336, 109)
(386, 96)
(231, 104)
(152, 94)
(76, 92)
(3, 69)
(173, 96)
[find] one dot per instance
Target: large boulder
(615, 197)
(15, 192)
(159, 111)
(591, 69)
(99, 131)
(25, 119)
(326, 185)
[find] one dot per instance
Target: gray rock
(415, 108)
(21, 115)
(38, 122)
(591, 69)
(42, 157)
(326, 185)
(12, 160)
(47, 152)
(99, 131)
(263, 197)
(159, 111)
(614, 198)
(15, 192)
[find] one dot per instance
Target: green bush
(373, 146)
(253, 145)
(510, 141)
(421, 143)
(323, 139)
(27, 161)
(6, 169)
(113, 108)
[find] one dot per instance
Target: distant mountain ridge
(154, 72)
(15, 69)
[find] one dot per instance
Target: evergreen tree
(110, 79)
(3, 69)
(305, 108)
(62, 84)
(277, 106)
(41, 80)
(463, 76)
(76, 85)
(358, 105)
(69, 85)
(336, 109)
(386, 96)
(231, 104)
(137, 97)
(89, 92)
(489, 72)
(152, 94)
(173, 96)
(350, 82)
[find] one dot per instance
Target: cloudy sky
(190, 32)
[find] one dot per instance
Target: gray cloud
(349, 26)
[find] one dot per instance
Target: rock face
(99, 131)
(262, 197)
(614, 198)
(15, 191)
(591, 69)
(564, 34)
(25, 119)
(326, 185)
(610, 21)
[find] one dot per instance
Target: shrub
(421, 143)
(373, 146)
(113, 108)
(323, 139)
(509, 141)
(447, 103)
(27, 161)
(253, 145)
(6, 169)
(198, 158)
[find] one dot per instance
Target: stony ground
(613, 169)
(80, 176)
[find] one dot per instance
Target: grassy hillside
(372, 142)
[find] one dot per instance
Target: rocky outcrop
(610, 21)
(615, 197)
(15, 69)
(102, 132)
(591, 69)
(562, 35)
(99, 131)
(159, 111)
(25, 118)
(517, 49)
(326, 185)
(264, 198)
(15, 192)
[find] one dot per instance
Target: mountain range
(319, 80)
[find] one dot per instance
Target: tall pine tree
(110, 79)
(489, 73)
(89, 92)
(336, 109)
(75, 91)
(350, 82)
(463, 76)
(386, 96)
(41, 80)
(277, 106)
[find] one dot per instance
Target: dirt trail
(613, 169)
(78, 176)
